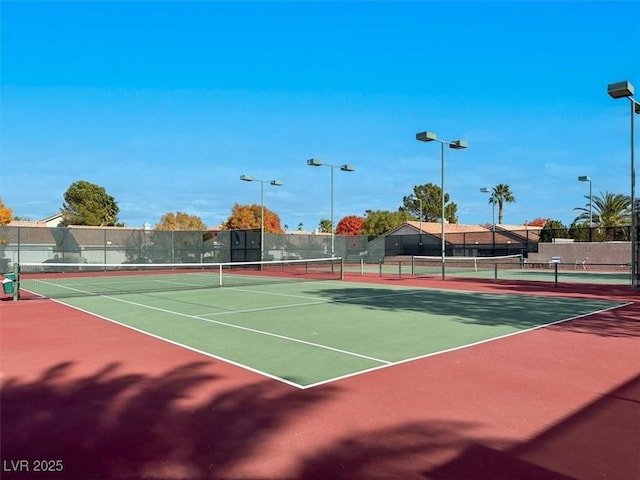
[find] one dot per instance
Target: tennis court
(303, 333)
(509, 267)
(302, 370)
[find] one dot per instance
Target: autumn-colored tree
(6, 215)
(180, 221)
(350, 225)
(537, 222)
(246, 217)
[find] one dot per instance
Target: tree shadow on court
(597, 441)
(386, 453)
(520, 311)
(620, 322)
(109, 425)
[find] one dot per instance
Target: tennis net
(425, 265)
(58, 280)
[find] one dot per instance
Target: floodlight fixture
(620, 89)
(458, 144)
(314, 163)
(347, 168)
(246, 178)
(426, 136)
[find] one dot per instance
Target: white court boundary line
(468, 345)
(252, 330)
(385, 363)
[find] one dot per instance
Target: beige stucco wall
(601, 252)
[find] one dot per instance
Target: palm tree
(500, 195)
(608, 210)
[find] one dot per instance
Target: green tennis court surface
(309, 333)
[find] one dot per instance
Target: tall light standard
(620, 90)
(419, 200)
(276, 183)
(456, 144)
(313, 162)
(493, 218)
(584, 178)
(493, 207)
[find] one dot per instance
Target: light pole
(620, 90)
(414, 197)
(313, 162)
(276, 183)
(419, 203)
(493, 219)
(584, 178)
(456, 144)
(493, 207)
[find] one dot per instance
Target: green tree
(429, 197)
(377, 222)
(553, 229)
(180, 221)
(580, 232)
(88, 204)
(325, 225)
(500, 195)
(607, 210)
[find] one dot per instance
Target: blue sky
(166, 104)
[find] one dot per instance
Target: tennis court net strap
(56, 280)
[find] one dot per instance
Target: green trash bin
(8, 281)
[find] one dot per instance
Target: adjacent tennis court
(268, 319)
(507, 267)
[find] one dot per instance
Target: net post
(413, 265)
(220, 275)
(380, 267)
(399, 268)
(342, 269)
(555, 274)
(16, 282)
(362, 267)
(495, 272)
